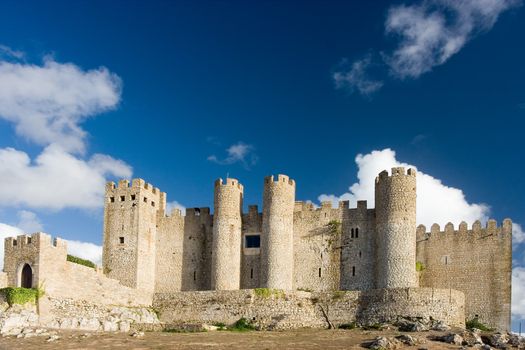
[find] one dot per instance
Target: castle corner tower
(227, 236)
(395, 198)
(277, 255)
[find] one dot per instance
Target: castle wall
(477, 262)
(276, 309)
(317, 247)
(250, 259)
(196, 251)
(358, 251)
(169, 252)
(61, 278)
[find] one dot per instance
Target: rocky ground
(387, 338)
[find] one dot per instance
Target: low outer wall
(274, 309)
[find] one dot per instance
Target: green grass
(21, 295)
(474, 323)
(220, 326)
(80, 261)
(268, 293)
(334, 227)
(419, 266)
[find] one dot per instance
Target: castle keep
(204, 266)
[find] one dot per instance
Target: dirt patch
(299, 339)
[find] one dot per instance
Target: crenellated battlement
(38, 239)
(491, 229)
(229, 182)
(204, 211)
(280, 179)
(395, 172)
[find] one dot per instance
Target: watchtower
(395, 198)
(130, 218)
(227, 236)
(277, 256)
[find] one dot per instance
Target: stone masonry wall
(169, 252)
(477, 262)
(275, 309)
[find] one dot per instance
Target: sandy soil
(302, 339)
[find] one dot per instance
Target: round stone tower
(277, 233)
(227, 236)
(395, 198)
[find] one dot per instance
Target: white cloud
(432, 31)
(356, 78)
(518, 292)
(518, 235)
(29, 222)
(6, 231)
(85, 250)
(237, 153)
(56, 179)
(175, 205)
(48, 102)
(436, 202)
(7, 52)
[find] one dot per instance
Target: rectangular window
(28, 240)
(122, 198)
(152, 203)
(132, 197)
(319, 272)
(253, 241)
(121, 240)
(145, 200)
(353, 270)
(14, 242)
(251, 273)
(194, 275)
(112, 199)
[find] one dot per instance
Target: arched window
(26, 280)
(352, 233)
(357, 233)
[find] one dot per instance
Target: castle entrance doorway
(27, 276)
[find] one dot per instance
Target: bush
(268, 292)
(242, 325)
(80, 261)
(348, 326)
(21, 295)
(221, 326)
(474, 323)
(419, 266)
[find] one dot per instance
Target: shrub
(21, 295)
(220, 326)
(334, 227)
(242, 325)
(80, 261)
(474, 323)
(419, 266)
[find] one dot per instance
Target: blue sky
(162, 90)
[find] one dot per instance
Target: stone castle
(214, 267)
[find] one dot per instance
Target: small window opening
(112, 199)
(357, 233)
(319, 272)
(122, 198)
(353, 270)
(446, 260)
(28, 240)
(145, 200)
(132, 197)
(352, 233)
(252, 241)
(325, 214)
(152, 203)
(14, 242)
(194, 275)
(121, 240)
(359, 253)
(251, 273)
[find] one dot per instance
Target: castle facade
(291, 245)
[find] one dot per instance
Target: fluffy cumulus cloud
(56, 179)
(436, 202)
(85, 250)
(518, 292)
(47, 102)
(425, 35)
(239, 152)
(356, 78)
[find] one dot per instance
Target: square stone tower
(130, 227)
